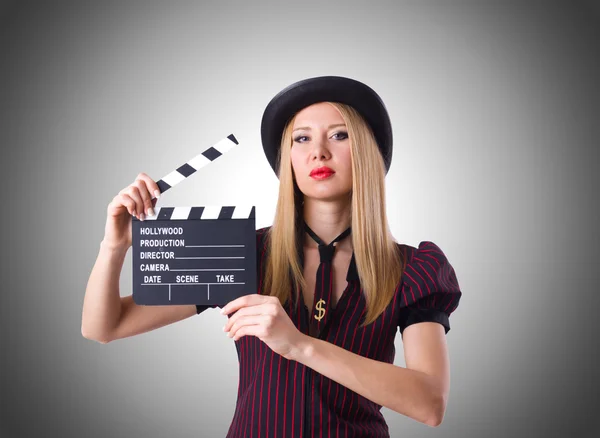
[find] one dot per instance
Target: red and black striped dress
(285, 399)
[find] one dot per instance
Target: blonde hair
(379, 261)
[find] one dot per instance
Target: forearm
(102, 301)
(408, 392)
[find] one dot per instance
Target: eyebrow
(308, 127)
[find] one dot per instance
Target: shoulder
(428, 278)
(428, 289)
(261, 237)
(261, 248)
(263, 230)
(426, 254)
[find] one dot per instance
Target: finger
(246, 300)
(246, 330)
(122, 201)
(134, 193)
(145, 194)
(261, 309)
(129, 203)
(246, 321)
(153, 188)
(252, 330)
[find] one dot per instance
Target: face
(320, 139)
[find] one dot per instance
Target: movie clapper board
(202, 255)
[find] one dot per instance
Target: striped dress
(285, 399)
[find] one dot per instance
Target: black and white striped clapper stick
(194, 255)
(199, 161)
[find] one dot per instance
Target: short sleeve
(430, 291)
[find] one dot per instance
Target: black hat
(321, 89)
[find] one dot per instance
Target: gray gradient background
(495, 109)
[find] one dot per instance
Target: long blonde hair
(379, 261)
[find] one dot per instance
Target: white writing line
(207, 269)
(215, 246)
(210, 258)
(185, 284)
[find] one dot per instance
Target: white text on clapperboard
(162, 243)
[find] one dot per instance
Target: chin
(330, 195)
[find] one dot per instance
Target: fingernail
(150, 212)
(157, 194)
(142, 217)
(224, 327)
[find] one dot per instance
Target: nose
(319, 150)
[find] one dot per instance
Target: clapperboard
(194, 255)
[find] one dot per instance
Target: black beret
(321, 89)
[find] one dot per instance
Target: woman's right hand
(134, 200)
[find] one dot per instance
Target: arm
(419, 391)
(106, 316)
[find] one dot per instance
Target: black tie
(324, 283)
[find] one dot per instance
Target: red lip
(322, 171)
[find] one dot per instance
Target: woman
(316, 342)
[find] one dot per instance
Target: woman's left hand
(264, 317)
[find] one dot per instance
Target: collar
(351, 275)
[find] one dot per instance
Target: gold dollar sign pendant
(321, 310)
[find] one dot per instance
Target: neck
(328, 219)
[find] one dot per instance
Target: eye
(343, 134)
(297, 139)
